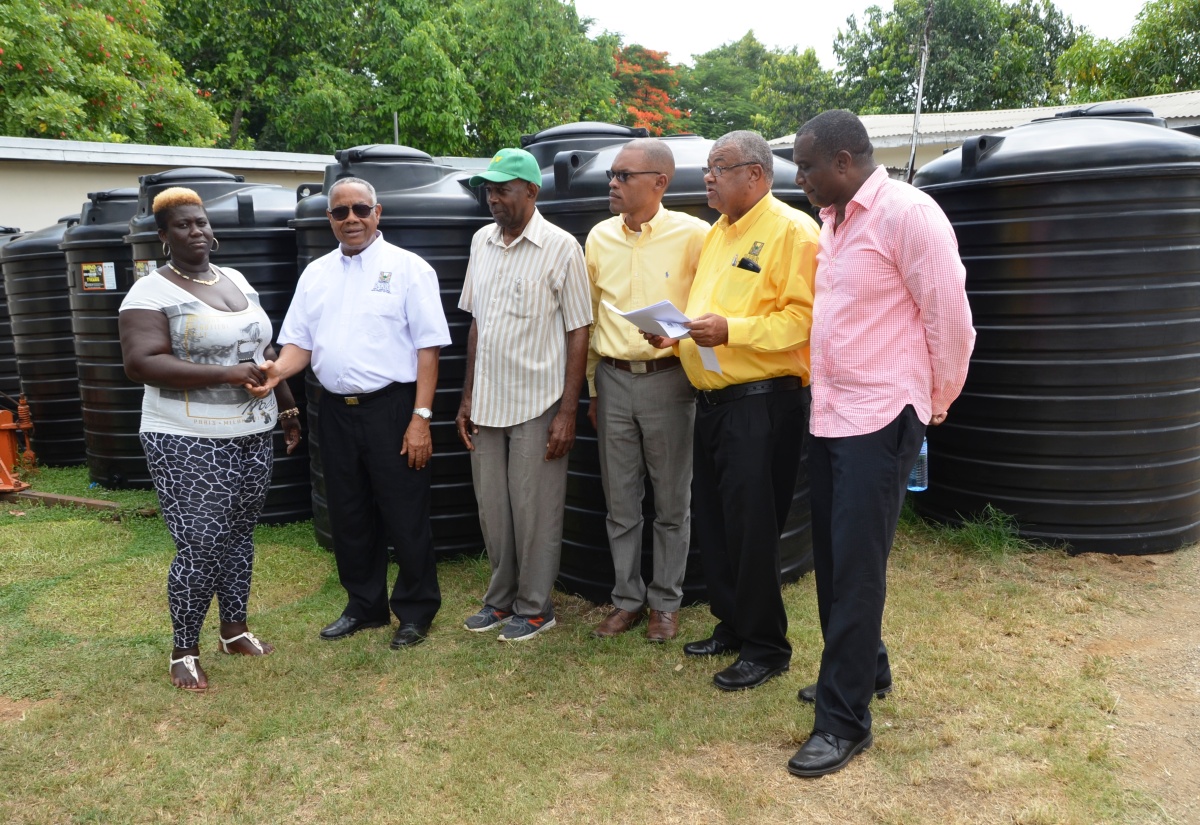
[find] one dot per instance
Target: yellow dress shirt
(769, 312)
(632, 270)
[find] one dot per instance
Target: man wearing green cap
(527, 291)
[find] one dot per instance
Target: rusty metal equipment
(10, 455)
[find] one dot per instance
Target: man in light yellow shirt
(751, 302)
(642, 405)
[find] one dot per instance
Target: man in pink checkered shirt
(891, 340)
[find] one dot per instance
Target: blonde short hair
(168, 199)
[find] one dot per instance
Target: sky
(686, 28)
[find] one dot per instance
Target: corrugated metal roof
(1178, 108)
(79, 151)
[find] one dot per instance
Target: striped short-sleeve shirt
(524, 297)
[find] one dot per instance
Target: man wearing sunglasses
(368, 318)
(642, 405)
(751, 302)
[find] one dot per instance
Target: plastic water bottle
(918, 479)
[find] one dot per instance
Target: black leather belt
(363, 397)
(736, 391)
(641, 367)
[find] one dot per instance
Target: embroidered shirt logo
(384, 284)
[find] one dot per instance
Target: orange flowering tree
(648, 87)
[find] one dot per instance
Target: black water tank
(100, 270)
(320, 498)
(251, 224)
(574, 196)
(1081, 412)
(39, 307)
(10, 381)
(577, 137)
(429, 210)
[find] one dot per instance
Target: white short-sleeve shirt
(364, 317)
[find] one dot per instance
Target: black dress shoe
(825, 753)
(348, 626)
(808, 693)
(742, 675)
(708, 647)
(408, 635)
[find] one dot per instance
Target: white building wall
(44, 180)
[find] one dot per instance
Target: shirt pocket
(380, 311)
(522, 297)
(738, 291)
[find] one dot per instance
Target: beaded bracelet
(294, 412)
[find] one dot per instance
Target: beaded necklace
(216, 273)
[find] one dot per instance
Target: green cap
(510, 164)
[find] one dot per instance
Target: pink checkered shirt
(891, 322)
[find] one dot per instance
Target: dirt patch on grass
(14, 710)
(1154, 649)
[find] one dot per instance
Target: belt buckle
(351, 400)
(637, 367)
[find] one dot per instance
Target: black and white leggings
(211, 491)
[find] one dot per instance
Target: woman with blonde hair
(193, 332)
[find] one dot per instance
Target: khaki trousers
(521, 498)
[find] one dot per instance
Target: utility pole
(912, 151)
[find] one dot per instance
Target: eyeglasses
(340, 213)
(717, 171)
(623, 177)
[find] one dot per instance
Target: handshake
(261, 379)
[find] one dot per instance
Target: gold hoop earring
(166, 250)
(216, 245)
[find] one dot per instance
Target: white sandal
(189, 664)
(223, 643)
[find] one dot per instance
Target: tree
(250, 57)
(647, 87)
(1025, 65)
(401, 58)
(716, 92)
(1160, 55)
(983, 54)
(793, 88)
(91, 70)
(532, 66)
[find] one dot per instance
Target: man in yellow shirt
(642, 405)
(751, 302)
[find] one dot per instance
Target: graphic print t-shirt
(203, 335)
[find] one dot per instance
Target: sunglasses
(340, 213)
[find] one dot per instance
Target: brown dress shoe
(617, 622)
(664, 626)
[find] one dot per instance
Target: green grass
(996, 717)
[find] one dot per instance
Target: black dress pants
(376, 499)
(746, 457)
(857, 486)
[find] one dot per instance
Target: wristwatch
(424, 412)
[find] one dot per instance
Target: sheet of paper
(664, 318)
(709, 359)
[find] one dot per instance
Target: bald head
(640, 175)
(657, 154)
